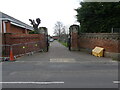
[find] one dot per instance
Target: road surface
(60, 68)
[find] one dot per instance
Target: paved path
(60, 68)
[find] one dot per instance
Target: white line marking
(62, 60)
(31, 82)
(116, 82)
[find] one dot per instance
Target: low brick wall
(109, 41)
(23, 43)
(88, 41)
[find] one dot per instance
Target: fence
(115, 30)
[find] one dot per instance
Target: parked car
(51, 40)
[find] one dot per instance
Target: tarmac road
(60, 68)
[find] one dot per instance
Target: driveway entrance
(60, 68)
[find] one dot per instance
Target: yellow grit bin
(98, 51)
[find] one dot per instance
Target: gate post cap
(74, 28)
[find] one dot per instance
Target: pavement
(60, 68)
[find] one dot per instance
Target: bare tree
(58, 29)
(35, 25)
(61, 31)
(64, 32)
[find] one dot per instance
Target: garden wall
(88, 41)
(23, 43)
(109, 41)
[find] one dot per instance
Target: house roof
(15, 22)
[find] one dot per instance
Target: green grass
(63, 43)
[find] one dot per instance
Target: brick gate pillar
(44, 32)
(74, 36)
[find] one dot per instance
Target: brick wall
(74, 41)
(88, 41)
(8, 27)
(111, 42)
(14, 29)
(24, 43)
(74, 37)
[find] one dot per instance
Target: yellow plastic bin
(98, 51)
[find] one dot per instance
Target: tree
(61, 31)
(59, 28)
(35, 24)
(98, 16)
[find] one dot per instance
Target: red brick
(19, 39)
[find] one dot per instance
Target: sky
(49, 11)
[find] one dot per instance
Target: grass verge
(63, 43)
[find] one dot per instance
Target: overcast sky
(49, 11)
